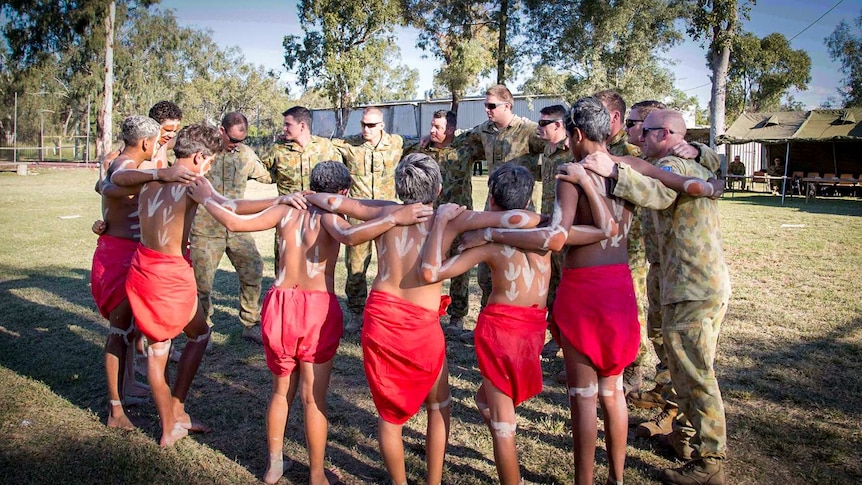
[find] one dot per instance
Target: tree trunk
(104, 120)
(456, 99)
(501, 45)
(720, 63)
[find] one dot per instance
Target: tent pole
(784, 180)
(834, 160)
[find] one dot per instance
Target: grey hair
(417, 179)
(591, 117)
(136, 128)
(329, 177)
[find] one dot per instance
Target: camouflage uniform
(619, 146)
(518, 143)
(372, 169)
(457, 189)
(695, 288)
(290, 167)
(554, 155)
(210, 240)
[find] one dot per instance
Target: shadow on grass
(820, 205)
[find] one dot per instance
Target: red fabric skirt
(509, 341)
(299, 325)
(597, 313)
(162, 293)
(403, 352)
(111, 263)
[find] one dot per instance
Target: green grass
(789, 364)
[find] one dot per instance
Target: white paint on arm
(514, 219)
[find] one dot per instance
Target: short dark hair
(556, 110)
(329, 177)
(511, 186)
(613, 100)
(300, 114)
(646, 107)
(165, 110)
(451, 118)
(232, 119)
(199, 137)
(591, 117)
(417, 179)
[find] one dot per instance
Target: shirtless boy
(113, 256)
(301, 319)
(402, 341)
(161, 284)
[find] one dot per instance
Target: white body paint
(584, 392)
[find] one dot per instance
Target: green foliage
(346, 47)
(602, 44)
(845, 47)
(762, 71)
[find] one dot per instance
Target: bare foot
(174, 435)
(192, 425)
(136, 389)
(119, 419)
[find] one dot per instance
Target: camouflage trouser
(206, 252)
(690, 330)
(638, 267)
(356, 259)
(653, 320)
(459, 289)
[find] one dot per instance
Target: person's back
(609, 251)
(308, 253)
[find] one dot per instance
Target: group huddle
(142, 268)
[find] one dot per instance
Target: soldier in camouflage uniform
(291, 158)
(695, 289)
(504, 138)
(619, 146)
(230, 171)
(551, 129)
(371, 159)
(457, 189)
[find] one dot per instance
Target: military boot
(647, 399)
(660, 424)
(679, 443)
(703, 471)
(632, 379)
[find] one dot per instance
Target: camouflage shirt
(619, 146)
(229, 173)
(517, 143)
(290, 164)
(372, 168)
(689, 233)
(455, 169)
(554, 155)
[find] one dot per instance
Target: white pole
(15, 132)
(784, 180)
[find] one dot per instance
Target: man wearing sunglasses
(695, 289)
(371, 159)
(231, 170)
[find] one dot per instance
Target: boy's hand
(684, 150)
(447, 212)
(472, 239)
(600, 163)
(412, 214)
(177, 173)
(717, 187)
(99, 227)
(572, 172)
(200, 189)
(296, 199)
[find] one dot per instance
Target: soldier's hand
(472, 239)
(600, 163)
(412, 214)
(99, 227)
(447, 212)
(176, 173)
(200, 189)
(572, 172)
(684, 150)
(717, 187)
(296, 199)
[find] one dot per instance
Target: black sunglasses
(647, 130)
(235, 140)
(630, 123)
(547, 122)
(370, 125)
(493, 106)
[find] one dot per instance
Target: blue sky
(257, 27)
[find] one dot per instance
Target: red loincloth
(509, 341)
(162, 293)
(299, 325)
(403, 352)
(110, 267)
(597, 313)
